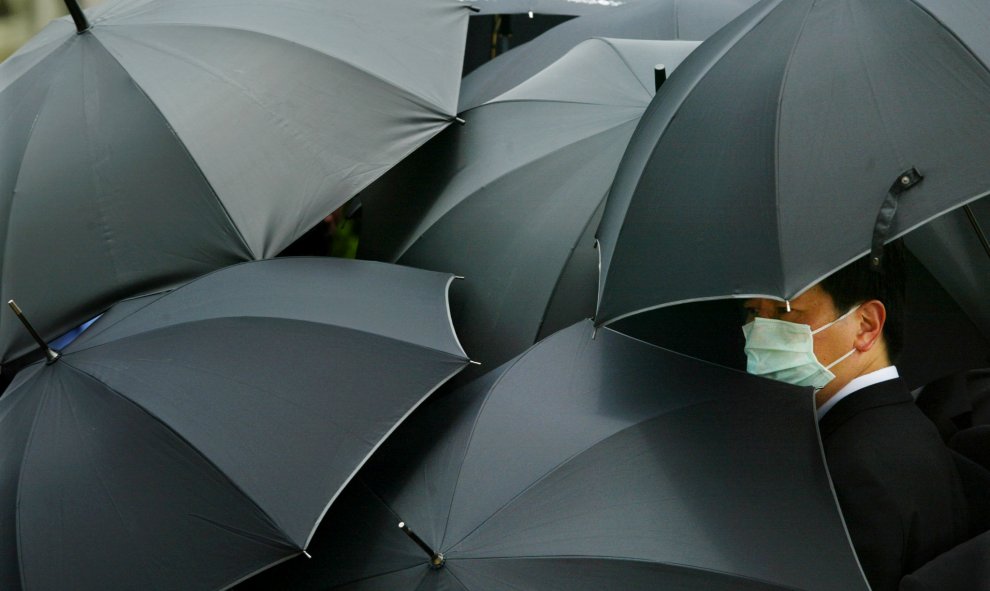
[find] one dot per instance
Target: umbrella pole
(436, 558)
(979, 230)
(82, 25)
(49, 353)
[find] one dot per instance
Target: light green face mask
(785, 351)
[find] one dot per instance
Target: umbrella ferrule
(51, 355)
(78, 17)
(437, 559)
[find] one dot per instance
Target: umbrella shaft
(979, 230)
(77, 15)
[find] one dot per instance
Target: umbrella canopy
(795, 140)
(174, 137)
(511, 200)
(641, 19)
(590, 464)
(188, 440)
(565, 7)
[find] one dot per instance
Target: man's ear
(872, 315)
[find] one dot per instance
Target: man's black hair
(858, 282)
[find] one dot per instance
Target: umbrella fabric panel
(662, 19)
(96, 463)
(578, 417)
(256, 106)
(143, 227)
(835, 110)
(357, 295)
(950, 250)
(238, 409)
(351, 31)
(604, 453)
(747, 165)
(16, 416)
(647, 509)
(523, 229)
(594, 574)
(837, 162)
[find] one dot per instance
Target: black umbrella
(590, 464)
(188, 440)
(171, 138)
(511, 200)
(800, 137)
(641, 19)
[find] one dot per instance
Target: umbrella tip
(659, 76)
(78, 17)
(306, 554)
(50, 354)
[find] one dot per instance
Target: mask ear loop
(824, 326)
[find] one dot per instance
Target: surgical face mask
(785, 351)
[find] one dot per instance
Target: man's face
(816, 309)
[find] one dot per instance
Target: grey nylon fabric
(200, 437)
(785, 131)
(511, 199)
(567, 7)
(951, 251)
(653, 20)
(174, 138)
(592, 464)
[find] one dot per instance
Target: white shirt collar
(874, 377)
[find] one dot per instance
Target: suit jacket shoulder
(895, 480)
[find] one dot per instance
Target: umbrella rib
(27, 142)
(372, 451)
(17, 496)
(411, 96)
(605, 267)
(470, 440)
(185, 150)
(649, 91)
(573, 456)
(951, 32)
(776, 145)
(432, 220)
(189, 445)
(676, 565)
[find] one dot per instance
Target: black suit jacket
(897, 484)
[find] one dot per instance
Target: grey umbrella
(171, 138)
(590, 464)
(803, 135)
(511, 199)
(565, 7)
(192, 438)
(642, 19)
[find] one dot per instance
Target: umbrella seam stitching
(776, 143)
(409, 95)
(575, 455)
(216, 469)
(470, 440)
(20, 477)
(605, 265)
(951, 33)
(185, 151)
(8, 222)
(626, 63)
(408, 244)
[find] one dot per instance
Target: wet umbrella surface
(188, 440)
(592, 464)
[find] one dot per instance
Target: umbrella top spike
(437, 559)
(50, 354)
(82, 25)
